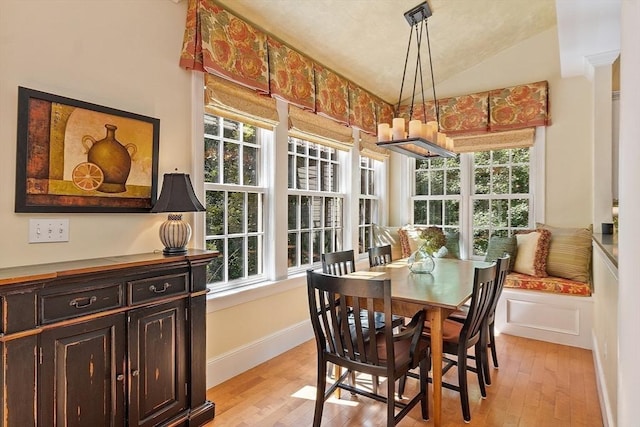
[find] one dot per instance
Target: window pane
(312, 173)
(452, 212)
(317, 245)
(250, 166)
(437, 182)
(231, 129)
(211, 158)
(305, 212)
(293, 212)
(231, 163)
(236, 258)
(292, 249)
(301, 173)
(435, 212)
(499, 213)
(235, 213)
(520, 180)
(215, 213)
(215, 269)
(482, 181)
(453, 181)
(305, 246)
(253, 211)
(211, 125)
(500, 180)
(420, 213)
(249, 134)
(292, 171)
(520, 213)
(422, 182)
(480, 241)
(482, 158)
(253, 255)
(480, 213)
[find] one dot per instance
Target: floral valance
(362, 109)
(220, 43)
(291, 75)
(332, 94)
(520, 106)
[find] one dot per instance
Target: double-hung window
(234, 199)
(315, 204)
(369, 201)
(481, 194)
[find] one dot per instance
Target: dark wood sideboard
(113, 341)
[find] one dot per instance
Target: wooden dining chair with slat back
(379, 255)
(458, 338)
(350, 344)
(338, 263)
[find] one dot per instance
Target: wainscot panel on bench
(114, 341)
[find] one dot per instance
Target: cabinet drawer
(76, 303)
(156, 288)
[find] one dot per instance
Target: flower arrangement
(433, 238)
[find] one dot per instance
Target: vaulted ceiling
(366, 40)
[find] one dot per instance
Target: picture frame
(75, 156)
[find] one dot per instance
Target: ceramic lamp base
(175, 235)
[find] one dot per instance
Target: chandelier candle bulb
(415, 129)
(384, 132)
(398, 128)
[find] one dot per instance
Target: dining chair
(350, 344)
(459, 337)
(338, 263)
(502, 269)
(379, 255)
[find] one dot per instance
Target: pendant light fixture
(423, 139)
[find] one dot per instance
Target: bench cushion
(552, 284)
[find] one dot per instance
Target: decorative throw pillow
(499, 246)
(452, 245)
(533, 248)
(384, 235)
(569, 253)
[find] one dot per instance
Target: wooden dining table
(440, 293)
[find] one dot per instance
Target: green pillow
(499, 246)
(452, 244)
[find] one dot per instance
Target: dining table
(439, 292)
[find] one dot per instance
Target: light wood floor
(538, 384)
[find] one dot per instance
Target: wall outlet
(48, 230)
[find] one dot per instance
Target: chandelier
(423, 139)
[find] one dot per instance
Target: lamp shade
(177, 195)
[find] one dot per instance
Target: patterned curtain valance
(291, 75)
(362, 109)
(519, 107)
(332, 94)
(225, 98)
(306, 125)
(220, 43)
(464, 114)
(520, 138)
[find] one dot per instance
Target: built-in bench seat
(557, 285)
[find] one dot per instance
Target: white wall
(118, 53)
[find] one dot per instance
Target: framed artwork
(74, 156)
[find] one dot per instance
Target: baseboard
(241, 359)
(561, 319)
(601, 383)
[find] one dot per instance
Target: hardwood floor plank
(537, 384)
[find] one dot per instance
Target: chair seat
(401, 351)
(450, 330)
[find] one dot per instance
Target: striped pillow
(569, 253)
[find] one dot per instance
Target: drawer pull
(161, 290)
(83, 302)
(135, 373)
(120, 377)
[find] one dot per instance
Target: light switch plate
(48, 230)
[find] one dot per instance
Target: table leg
(436, 319)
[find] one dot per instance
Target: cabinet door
(82, 381)
(157, 363)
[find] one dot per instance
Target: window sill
(232, 297)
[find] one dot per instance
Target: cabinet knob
(120, 377)
(164, 288)
(135, 373)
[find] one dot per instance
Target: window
(437, 193)
(234, 198)
(500, 195)
(315, 207)
(368, 204)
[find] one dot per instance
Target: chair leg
(401, 383)
(462, 383)
(485, 359)
(391, 402)
(481, 366)
(320, 392)
(424, 383)
(492, 345)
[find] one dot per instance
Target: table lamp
(176, 196)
